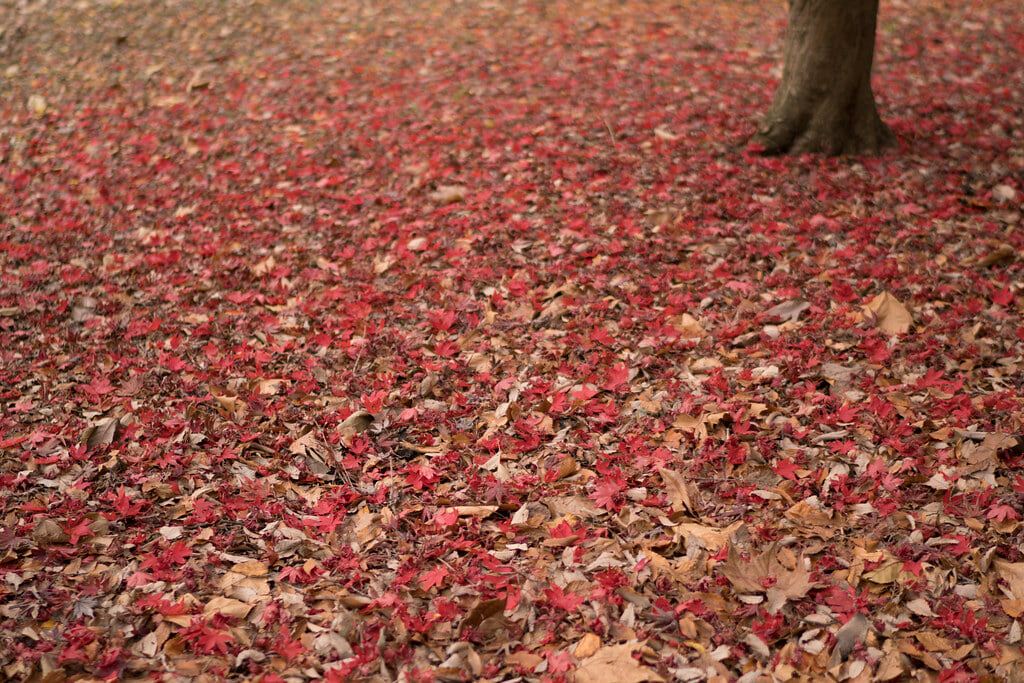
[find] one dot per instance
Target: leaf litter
(374, 342)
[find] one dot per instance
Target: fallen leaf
(47, 532)
(615, 664)
(102, 433)
(448, 194)
(888, 314)
(788, 310)
(681, 492)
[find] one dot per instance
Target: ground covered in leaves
(468, 341)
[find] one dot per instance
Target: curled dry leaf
(358, 422)
(47, 532)
(448, 194)
(683, 494)
(687, 326)
(788, 310)
(847, 637)
(1000, 253)
(888, 314)
(102, 433)
(664, 134)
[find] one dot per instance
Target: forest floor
(410, 341)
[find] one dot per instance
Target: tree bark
(825, 103)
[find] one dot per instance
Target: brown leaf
(1001, 252)
(102, 433)
(1013, 574)
(615, 664)
(711, 538)
(789, 310)
(356, 423)
(47, 532)
(587, 646)
(847, 637)
(250, 568)
(756, 576)
(805, 514)
(933, 642)
(687, 326)
(889, 315)
(680, 491)
(227, 607)
(483, 610)
(448, 194)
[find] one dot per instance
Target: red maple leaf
(124, 505)
(446, 517)
(559, 598)
(433, 578)
(176, 553)
(559, 661)
(214, 641)
(617, 376)
(786, 468)
(1003, 297)
(288, 648)
(1002, 512)
(607, 492)
(77, 530)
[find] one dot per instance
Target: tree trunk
(825, 103)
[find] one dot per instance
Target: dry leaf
(788, 310)
(102, 433)
(615, 664)
(889, 315)
(448, 194)
(933, 642)
(847, 637)
(587, 646)
(805, 514)
(680, 491)
(687, 326)
(37, 104)
(753, 576)
(711, 539)
(664, 134)
(1013, 574)
(357, 423)
(1002, 252)
(227, 607)
(250, 568)
(47, 532)
(1004, 193)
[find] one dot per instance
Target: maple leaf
(764, 573)
(559, 662)
(176, 553)
(214, 641)
(1003, 296)
(434, 578)
(421, 476)
(1002, 512)
(288, 648)
(295, 575)
(140, 578)
(616, 376)
(446, 517)
(124, 505)
(77, 529)
(607, 492)
(785, 468)
(557, 597)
